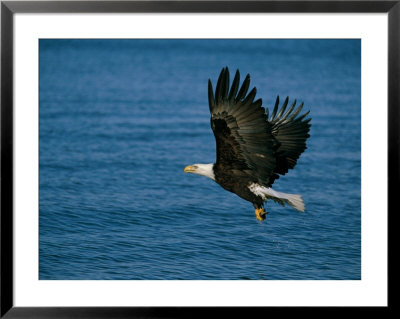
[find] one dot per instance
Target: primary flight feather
(253, 148)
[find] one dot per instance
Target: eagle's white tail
(293, 200)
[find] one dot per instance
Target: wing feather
(291, 132)
(243, 135)
(243, 88)
(250, 141)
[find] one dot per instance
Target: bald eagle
(253, 148)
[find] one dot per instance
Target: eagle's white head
(201, 169)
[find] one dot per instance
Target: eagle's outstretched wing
(243, 135)
(291, 132)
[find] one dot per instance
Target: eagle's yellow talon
(260, 214)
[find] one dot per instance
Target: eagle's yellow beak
(190, 169)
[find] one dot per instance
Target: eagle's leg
(259, 209)
(261, 213)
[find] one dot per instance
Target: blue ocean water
(120, 119)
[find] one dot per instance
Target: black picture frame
(9, 8)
